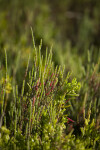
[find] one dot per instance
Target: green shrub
(36, 118)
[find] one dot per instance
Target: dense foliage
(42, 106)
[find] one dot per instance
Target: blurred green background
(72, 27)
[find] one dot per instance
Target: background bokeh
(72, 27)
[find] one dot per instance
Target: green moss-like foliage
(35, 118)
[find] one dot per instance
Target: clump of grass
(35, 118)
